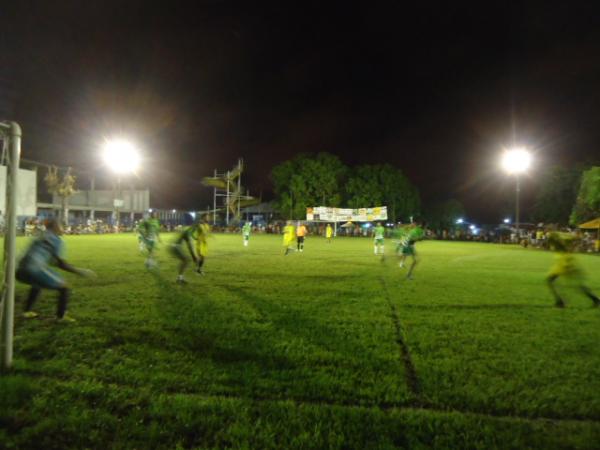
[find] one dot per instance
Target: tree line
(322, 179)
(568, 195)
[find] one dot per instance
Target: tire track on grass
(412, 379)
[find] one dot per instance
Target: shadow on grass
(195, 324)
(300, 325)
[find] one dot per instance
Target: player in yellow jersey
(566, 266)
(289, 236)
(201, 235)
(328, 233)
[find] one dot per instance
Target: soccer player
(201, 235)
(565, 265)
(34, 270)
(246, 229)
(289, 234)
(328, 233)
(412, 235)
(301, 233)
(379, 233)
(148, 230)
(177, 249)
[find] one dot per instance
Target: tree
(62, 187)
(383, 184)
(443, 216)
(557, 195)
(308, 180)
(587, 205)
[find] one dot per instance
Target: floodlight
(516, 161)
(472, 227)
(174, 211)
(506, 220)
(121, 156)
(459, 221)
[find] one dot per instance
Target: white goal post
(10, 133)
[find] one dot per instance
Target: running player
(301, 233)
(328, 233)
(34, 270)
(148, 235)
(289, 234)
(379, 234)
(565, 265)
(201, 235)
(177, 249)
(246, 229)
(412, 235)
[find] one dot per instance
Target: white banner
(327, 214)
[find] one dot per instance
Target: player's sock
(375, 250)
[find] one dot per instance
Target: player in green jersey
(410, 236)
(246, 229)
(566, 266)
(182, 247)
(148, 235)
(379, 234)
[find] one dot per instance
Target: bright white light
(459, 221)
(506, 220)
(150, 210)
(193, 214)
(174, 211)
(516, 161)
(472, 227)
(121, 156)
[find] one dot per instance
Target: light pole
(123, 158)
(515, 162)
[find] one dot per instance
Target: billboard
(328, 214)
(26, 192)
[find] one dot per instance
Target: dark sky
(436, 89)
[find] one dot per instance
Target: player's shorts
(287, 240)
(565, 265)
(379, 241)
(408, 250)
(149, 243)
(300, 239)
(42, 278)
(246, 237)
(179, 252)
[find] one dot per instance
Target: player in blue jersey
(34, 270)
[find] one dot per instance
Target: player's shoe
(559, 303)
(409, 277)
(181, 281)
(30, 315)
(65, 319)
(596, 301)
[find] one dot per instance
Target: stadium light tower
(515, 162)
(123, 158)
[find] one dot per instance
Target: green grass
(330, 348)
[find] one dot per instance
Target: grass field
(330, 348)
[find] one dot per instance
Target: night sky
(436, 89)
